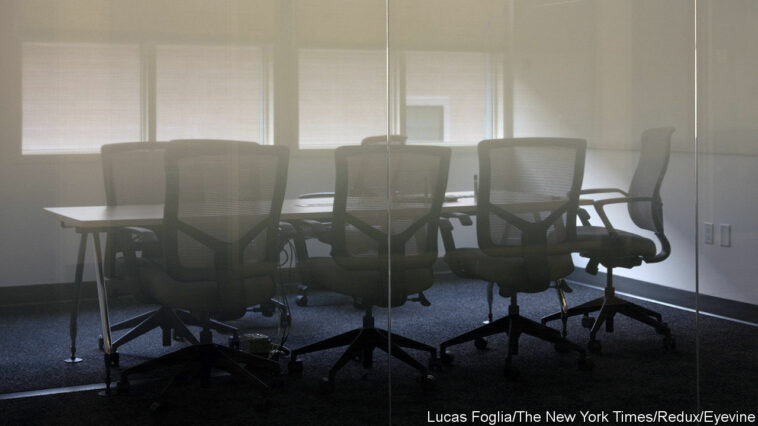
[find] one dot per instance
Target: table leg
(74, 320)
(102, 298)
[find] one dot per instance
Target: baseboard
(712, 305)
(45, 293)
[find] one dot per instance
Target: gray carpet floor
(633, 373)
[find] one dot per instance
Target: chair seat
(510, 273)
(203, 296)
(613, 251)
(367, 285)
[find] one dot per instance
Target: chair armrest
(286, 231)
(584, 216)
(603, 191)
(600, 208)
(316, 195)
(463, 218)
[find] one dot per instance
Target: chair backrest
(528, 190)
(646, 182)
(382, 140)
(134, 173)
(215, 140)
(223, 201)
(367, 225)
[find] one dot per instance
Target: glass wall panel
(331, 91)
(493, 211)
(78, 75)
(602, 72)
(727, 243)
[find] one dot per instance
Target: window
(210, 92)
(80, 96)
(342, 96)
(455, 87)
(425, 122)
(77, 96)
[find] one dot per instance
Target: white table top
(152, 214)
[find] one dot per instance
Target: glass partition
(726, 205)
(601, 72)
(495, 211)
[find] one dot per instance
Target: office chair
(134, 173)
(529, 191)
(321, 230)
(363, 235)
(220, 245)
(617, 248)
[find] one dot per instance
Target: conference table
(96, 220)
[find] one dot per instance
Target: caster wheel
(511, 373)
(234, 343)
(301, 300)
(562, 347)
(100, 343)
(586, 364)
(594, 346)
(669, 343)
(326, 386)
(263, 407)
(480, 343)
(446, 358)
(267, 309)
(588, 321)
(295, 367)
(277, 382)
(664, 329)
(435, 364)
(115, 360)
(122, 387)
(426, 382)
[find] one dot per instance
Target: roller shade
(340, 23)
(448, 24)
(244, 20)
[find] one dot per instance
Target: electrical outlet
(726, 234)
(708, 233)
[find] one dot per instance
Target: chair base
(608, 306)
(361, 343)
(200, 359)
(168, 320)
(514, 325)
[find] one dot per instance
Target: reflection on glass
(728, 243)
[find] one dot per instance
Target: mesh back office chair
(267, 308)
(618, 248)
(221, 215)
(529, 187)
(360, 229)
(134, 173)
(308, 229)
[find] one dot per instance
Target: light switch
(726, 234)
(708, 233)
